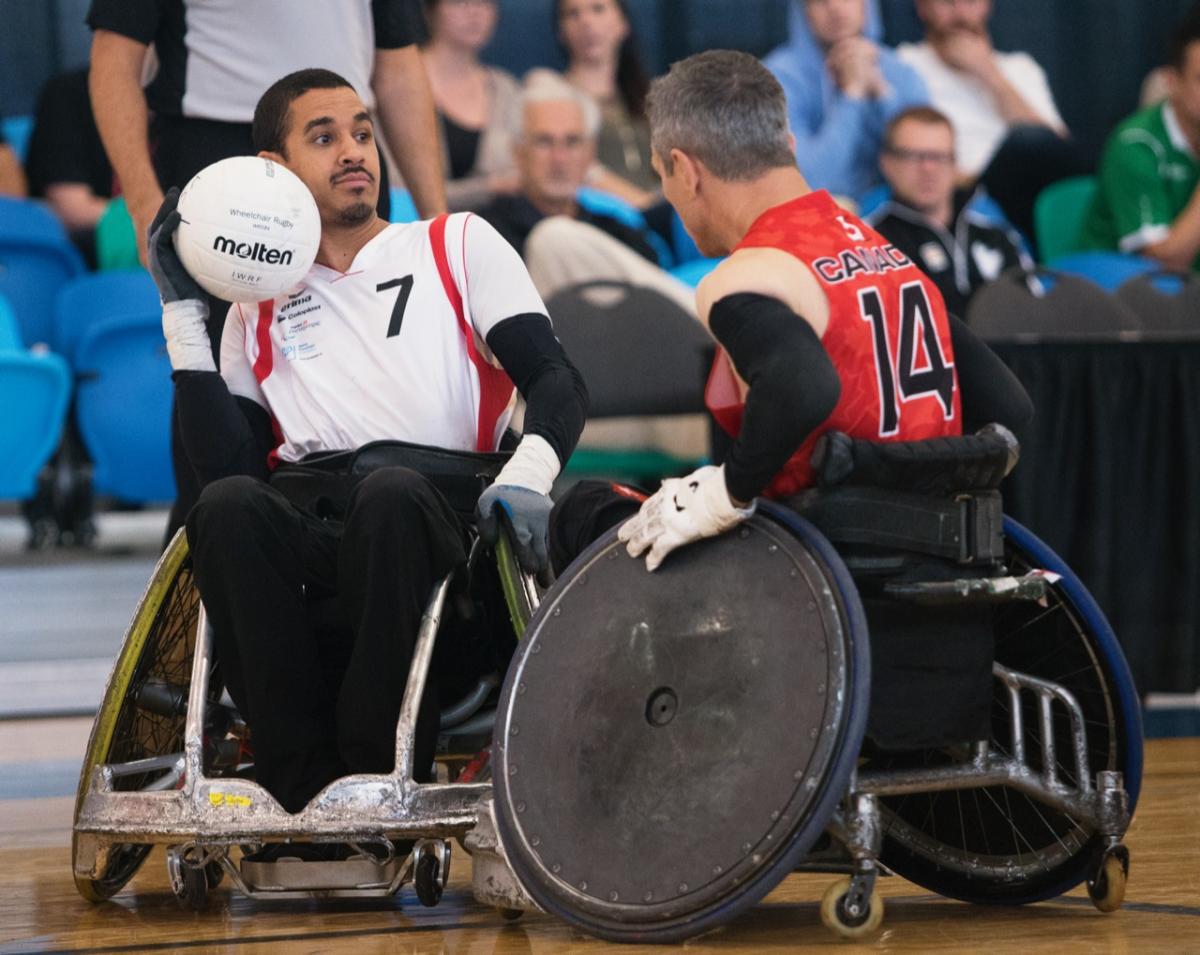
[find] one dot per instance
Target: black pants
(583, 514)
(323, 703)
(182, 147)
(1030, 159)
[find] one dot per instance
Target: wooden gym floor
(40, 911)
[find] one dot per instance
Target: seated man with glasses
(940, 228)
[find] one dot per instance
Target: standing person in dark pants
(211, 70)
(416, 333)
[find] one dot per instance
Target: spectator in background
(842, 87)
(602, 60)
(563, 244)
(1148, 201)
(933, 223)
(67, 165)
(1010, 135)
(12, 177)
(478, 106)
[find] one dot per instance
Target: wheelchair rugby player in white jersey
(420, 333)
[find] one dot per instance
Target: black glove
(173, 281)
(528, 514)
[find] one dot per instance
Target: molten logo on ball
(249, 231)
(257, 252)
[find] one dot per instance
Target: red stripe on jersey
(263, 366)
(495, 387)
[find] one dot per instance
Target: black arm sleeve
(990, 391)
(793, 385)
(136, 19)
(222, 435)
(555, 396)
(398, 23)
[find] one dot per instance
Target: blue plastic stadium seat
(1109, 270)
(36, 260)
(403, 207)
(10, 333)
(93, 298)
(33, 392)
(602, 203)
(17, 130)
(123, 406)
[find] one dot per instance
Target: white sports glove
(681, 511)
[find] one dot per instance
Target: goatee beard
(355, 214)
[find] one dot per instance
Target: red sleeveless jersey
(888, 335)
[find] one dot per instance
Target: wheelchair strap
(966, 529)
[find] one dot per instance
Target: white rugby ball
(249, 229)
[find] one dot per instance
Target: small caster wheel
(836, 914)
(1106, 884)
(510, 915)
(213, 874)
(188, 884)
(427, 879)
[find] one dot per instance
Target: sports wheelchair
(666, 748)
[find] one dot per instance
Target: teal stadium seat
(93, 298)
(34, 389)
(1058, 216)
(36, 261)
(123, 407)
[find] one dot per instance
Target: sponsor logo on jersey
(255, 252)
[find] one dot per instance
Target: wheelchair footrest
(1031, 586)
(294, 875)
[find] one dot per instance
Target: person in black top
(563, 243)
(67, 165)
(931, 222)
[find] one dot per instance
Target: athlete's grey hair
(724, 109)
(543, 86)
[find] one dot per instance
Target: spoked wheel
(995, 844)
(144, 707)
(669, 745)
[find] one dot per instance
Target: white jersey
(393, 348)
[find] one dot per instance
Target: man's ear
(274, 157)
(792, 142)
(688, 171)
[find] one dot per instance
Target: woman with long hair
(478, 105)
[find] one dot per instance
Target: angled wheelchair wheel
(143, 711)
(669, 745)
(998, 845)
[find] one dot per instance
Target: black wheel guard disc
(662, 739)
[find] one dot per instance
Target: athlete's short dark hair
(725, 109)
(1186, 33)
(273, 112)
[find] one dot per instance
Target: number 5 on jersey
(900, 377)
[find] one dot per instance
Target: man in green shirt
(1148, 203)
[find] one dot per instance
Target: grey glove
(173, 281)
(528, 516)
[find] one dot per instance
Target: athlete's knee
(226, 505)
(389, 493)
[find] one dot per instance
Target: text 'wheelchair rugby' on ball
(249, 229)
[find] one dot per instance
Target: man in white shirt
(1010, 136)
(420, 333)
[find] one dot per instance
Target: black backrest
(638, 352)
(1052, 306)
(1164, 303)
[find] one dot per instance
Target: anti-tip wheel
(1106, 885)
(188, 884)
(427, 881)
(836, 917)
